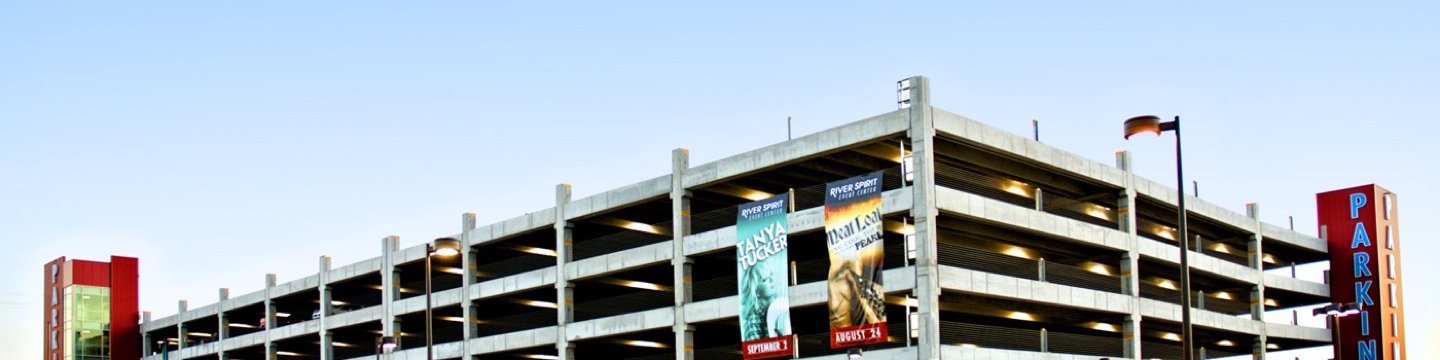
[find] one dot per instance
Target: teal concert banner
(762, 263)
(854, 233)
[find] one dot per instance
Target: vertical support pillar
(327, 350)
(389, 286)
(1130, 262)
(183, 305)
(680, 216)
(1256, 252)
(222, 327)
(564, 289)
(924, 211)
(269, 317)
(145, 341)
(468, 258)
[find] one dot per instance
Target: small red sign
(859, 335)
(779, 346)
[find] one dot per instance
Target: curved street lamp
(1152, 124)
(1336, 311)
(445, 247)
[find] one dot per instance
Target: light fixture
(644, 343)
(1152, 124)
(854, 354)
(446, 247)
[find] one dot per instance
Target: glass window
(87, 324)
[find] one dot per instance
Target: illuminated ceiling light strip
(1017, 188)
(452, 318)
(450, 270)
(200, 334)
(540, 357)
(287, 353)
(532, 250)
(242, 326)
(1104, 327)
(1017, 315)
(632, 225)
(643, 343)
(1019, 252)
(1170, 336)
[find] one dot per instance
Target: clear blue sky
(258, 136)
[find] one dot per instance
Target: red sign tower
(1362, 227)
(92, 309)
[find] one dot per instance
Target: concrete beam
(870, 129)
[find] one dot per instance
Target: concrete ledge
(620, 260)
(514, 341)
(537, 220)
(349, 318)
(967, 204)
(801, 221)
(1296, 285)
(621, 197)
(876, 127)
(1276, 233)
(620, 324)
(243, 341)
(298, 285)
(417, 303)
(364, 267)
(1195, 206)
(1297, 332)
(1170, 254)
(201, 312)
(1151, 308)
(971, 353)
(947, 123)
(514, 283)
(1002, 286)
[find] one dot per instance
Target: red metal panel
(1347, 219)
(91, 273)
(54, 285)
(124, 308)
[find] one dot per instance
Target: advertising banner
(762, 264)
(854, 235)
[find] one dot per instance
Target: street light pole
(1151, 123)
(440, 247)
(1335, 311)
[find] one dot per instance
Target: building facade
(92, 309)
(994, 246)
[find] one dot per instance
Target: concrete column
(223, 327)
(327, 349)
(1131, 335)
(467, 264)
(680, 219)
(389, 286)
(145, 340)
(564, 290)
(1130, 262)
(180, 324)
(924, 212)
(1256, 252)
(269, 317)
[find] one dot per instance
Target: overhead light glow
(1223, 295)
(341, 344)
(1272, 346)
(644, 228)
(282, 314)
(1104, 327)
(1167, 284)
(200, 334)
(1098, 268)
(1165, 232)
(540, 356)
(452, 318)
(1271, 302)
(242, 326)
(287, 353)
(968, 346)
(450, 270)
(1269, 259)
(536, 303)
(1221, 248)
(535, 250)
(1019, 252)
(1017, 188)
(1098, 211)
(1020, 316)
(1225, 343)
(338, 302)
(643, 343)
(1170, 336)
